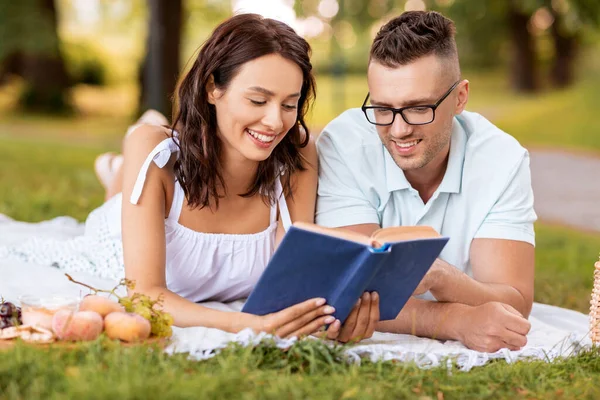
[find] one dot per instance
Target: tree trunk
(45, 73)
(523, 71)
(160, 69)
(565, 51)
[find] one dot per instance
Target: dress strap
(283, 208)
(160, 155)
(177, 203)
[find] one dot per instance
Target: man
(412, 156)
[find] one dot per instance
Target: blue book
(340, 266)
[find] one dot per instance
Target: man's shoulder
(350, 131)
(487, 143)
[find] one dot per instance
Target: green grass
(41, 179)
(309, 369)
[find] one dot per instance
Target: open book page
(378, 238)
(400, 233)
(339, 233)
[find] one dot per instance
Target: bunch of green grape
(143, 305)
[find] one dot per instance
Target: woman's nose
(273, 119)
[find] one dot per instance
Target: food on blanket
(77, 325)
(38, 311)
(10, 315)
(99, 304)
(141, 304)
(27, 333)
(129, 327)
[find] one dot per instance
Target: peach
(99, 304)
(128, 327)
(79, 325)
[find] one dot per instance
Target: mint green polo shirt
(485, 193)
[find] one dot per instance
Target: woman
(204, 204)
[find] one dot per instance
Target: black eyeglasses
(413, 115)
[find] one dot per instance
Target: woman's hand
(299, 320)
(360, 324)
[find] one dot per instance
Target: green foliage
(85, 63)
(24, 26)
(479, 46)
(54, 101)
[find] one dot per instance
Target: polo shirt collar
(452, 181)
(394, 176)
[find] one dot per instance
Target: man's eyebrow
(414, 102)
(269, 93)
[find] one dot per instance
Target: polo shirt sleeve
(512, 216)
(340, 201)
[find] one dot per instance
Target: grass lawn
(45, 171)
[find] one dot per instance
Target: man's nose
(400, 128)
(273, 118)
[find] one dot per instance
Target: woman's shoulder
(145, 138)
(309, 152)
(139, 145)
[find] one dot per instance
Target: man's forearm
(426, 319)
(453, 286)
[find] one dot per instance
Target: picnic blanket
(555, 332)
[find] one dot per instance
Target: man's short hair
(412, 35)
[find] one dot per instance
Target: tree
(570, 17)
(30, 49)
(523, 65)
(160, 70)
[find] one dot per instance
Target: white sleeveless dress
(200, 266)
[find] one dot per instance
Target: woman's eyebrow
(267, 92)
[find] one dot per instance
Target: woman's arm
(144, 251)
(143, 231)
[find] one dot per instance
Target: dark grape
(10, 315)
(7, 309)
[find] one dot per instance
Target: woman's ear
(211, 90)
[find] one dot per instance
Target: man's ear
(211, 90)
(462, 97)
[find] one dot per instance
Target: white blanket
(555, 331)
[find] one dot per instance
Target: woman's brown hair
(236, 41)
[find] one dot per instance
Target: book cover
(309, 264)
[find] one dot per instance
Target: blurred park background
(75, 73)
